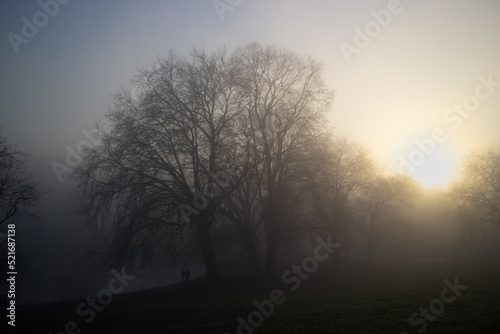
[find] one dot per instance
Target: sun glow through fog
(438, 170)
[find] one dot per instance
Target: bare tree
(383, 199)
(19, 192)
(338, 171)
(245, 118)
(156, 171)
(285, 100)
(19, 195)
(477, 194)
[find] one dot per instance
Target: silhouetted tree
(338, 171)
(159, 168)
(285, 100)
(244, 118)
(477, 194)
(19, 192)
(19, 195)
(384, 199)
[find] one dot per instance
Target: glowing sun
(438, 170)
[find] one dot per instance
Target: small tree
(337, 171)
(19, 192)
(383, 199)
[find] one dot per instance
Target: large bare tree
(159, 168)
(285, 100)
(191, 122)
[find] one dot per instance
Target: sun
(438, 170)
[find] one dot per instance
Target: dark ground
(349, 297)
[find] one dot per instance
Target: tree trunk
(208, 251)
(271, 265)
(371, 234)
(253, 258)
(272, 228)
(334, 229)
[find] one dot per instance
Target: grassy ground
(353, 298)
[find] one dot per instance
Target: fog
(230, 137)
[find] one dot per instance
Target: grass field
(356, 297)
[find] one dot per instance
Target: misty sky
(394, 91)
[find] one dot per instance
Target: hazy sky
(391, 92)
(394, 91)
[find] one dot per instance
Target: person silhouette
(188, 273)
(183, 274)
